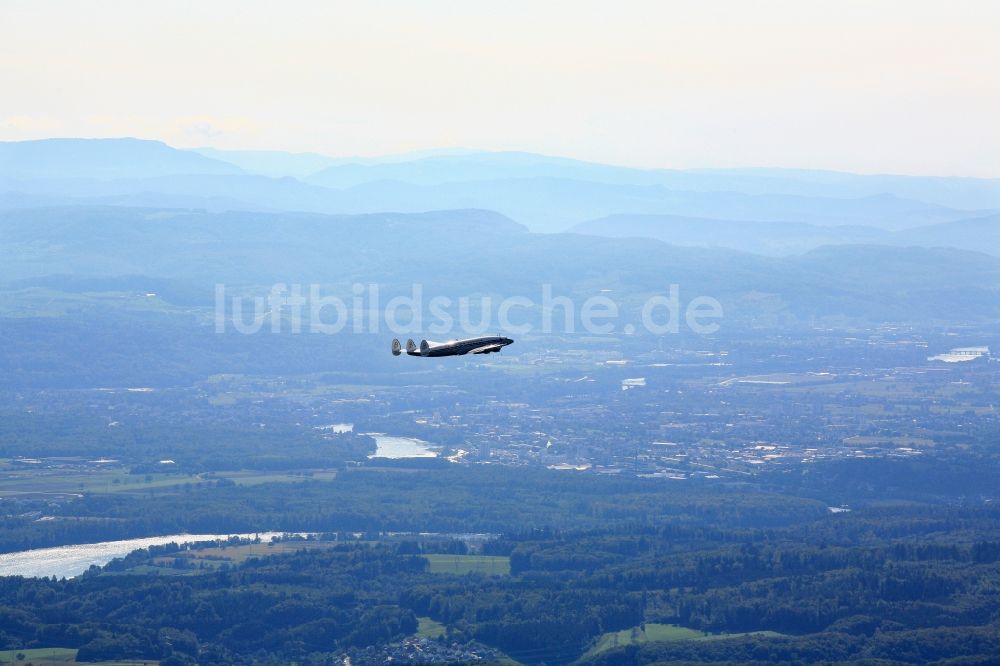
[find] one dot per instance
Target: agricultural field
(653, 633)
(25, 482)
(30, 482)
(211, 558)
(58, 657)
(491, 565)
(428, 628)
(253, 478)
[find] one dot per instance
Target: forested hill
(455, 253)
(586, 568)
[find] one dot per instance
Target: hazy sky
(903, 86)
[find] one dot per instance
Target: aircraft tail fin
(396, 348)
(411, 346)
(424, 347)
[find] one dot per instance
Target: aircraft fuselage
(481, 345)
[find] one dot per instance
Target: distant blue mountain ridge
(770, 211)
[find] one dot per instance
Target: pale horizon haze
(885, 86)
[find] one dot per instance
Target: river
(70, 561)
(388, 446)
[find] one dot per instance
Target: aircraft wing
(486, 349)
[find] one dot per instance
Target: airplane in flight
(486, 345)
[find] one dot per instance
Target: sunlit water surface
(70, 561)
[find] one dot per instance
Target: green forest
(768, 577)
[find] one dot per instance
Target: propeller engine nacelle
(411, 347)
